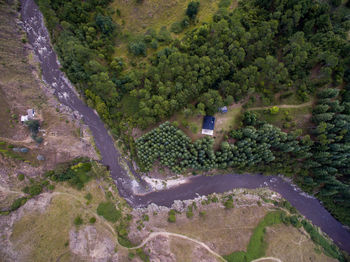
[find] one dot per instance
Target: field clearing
(138, 17)
(135, 19)
(287, 119)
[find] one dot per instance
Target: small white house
(24, 119)
(30, 115)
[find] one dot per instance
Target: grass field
(288, 118)
(138, 17)
(134, 19)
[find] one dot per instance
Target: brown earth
(65, 136)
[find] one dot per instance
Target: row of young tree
(252, 146)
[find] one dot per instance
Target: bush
(20, 177)
(17, 203)
(78, 221)
(176, 27)
(164, 35)
(92, 220)
(108, 211)
(88, 196)
(144, 257)
(33, 126)
(172, 216)
(274, 110)
(229, 203)
(192, 9)
(138, 48)
(33, 190)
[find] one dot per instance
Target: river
(310, 207)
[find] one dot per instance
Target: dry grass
(218, 227)
(290, 244)
(44, 237)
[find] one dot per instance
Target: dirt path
(267, 258)
(282, 106)
(155, 234)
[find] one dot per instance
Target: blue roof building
(208, 125)
(223, 109)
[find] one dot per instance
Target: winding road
(310, 207)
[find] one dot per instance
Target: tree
(192, 9)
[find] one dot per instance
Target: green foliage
(33, 126)
(78, 220)
(229, 203)
(138, 48)
(21, 177)
(144, 257)
(274, 110)
(145, 217)
(88, 196)
(176, 27)
(329, 248)
(33, 190)
(108, 211)
(17, 203)
(172, 216)
(331, 151)
(192, 9)
(77, 174)
(92, 220)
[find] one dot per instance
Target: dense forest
(259, 49)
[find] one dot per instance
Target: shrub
(108, 211)
(176, 27)
(192, 9)
(92, 220)
(202, 213)
(145, 217)
(274, 110)
(138, 48)
(78, 221)
(33, 126)
(144, 257)
(21, 177)
(229, 203)
(88, 196)
(164, 35)
(172, 216)
(33, 190)
(154, 44)
(17, 203)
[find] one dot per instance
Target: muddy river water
(307, 205)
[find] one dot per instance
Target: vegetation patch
(257, 246)
(109, 211)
